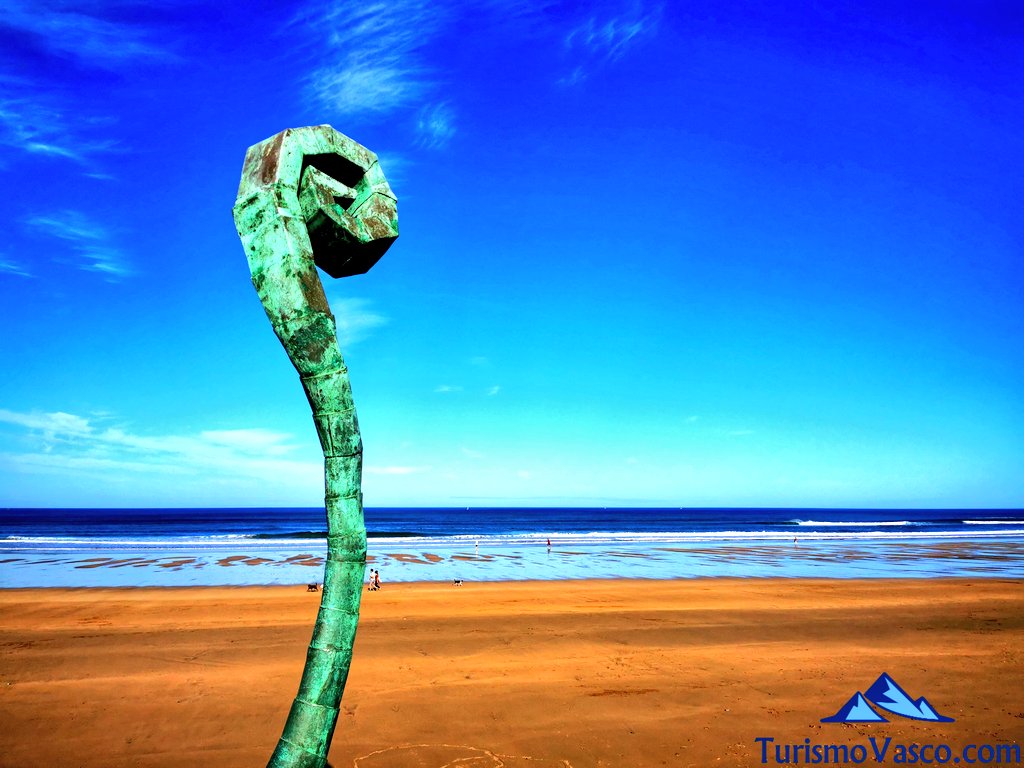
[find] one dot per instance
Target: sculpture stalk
(293, 213)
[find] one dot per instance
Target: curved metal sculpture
(311, 197)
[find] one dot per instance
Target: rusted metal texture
(312, 197)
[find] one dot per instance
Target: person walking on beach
(370, 580)
(376, 580)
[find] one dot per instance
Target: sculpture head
(350, 212)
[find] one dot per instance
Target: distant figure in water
(549, 543)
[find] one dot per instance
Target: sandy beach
(574, 673)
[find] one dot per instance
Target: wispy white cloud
(34, 107)
(80, 32)
(394, 166)
(375, 63)
(611, 38)
(361, 86)
(65, 442)
(69, 225)
(596, 42)
(28, 126)
(91, 242)
(493, 390)
(356, 319)
(263, 442)
(577, 75)
(371, 470)
(30, 123)
(372, 59)
(447, 388)
(11, 267)
(48, 424)
(435, 125)
(42, 148)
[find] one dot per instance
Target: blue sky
(678, 254)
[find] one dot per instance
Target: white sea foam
(178, 543)
(533, 540)
(993, 522)
(862, 524)
(236, 543)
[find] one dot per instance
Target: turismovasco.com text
(884, 751)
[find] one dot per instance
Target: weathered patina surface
(313, 197)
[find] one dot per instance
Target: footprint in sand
(451, 756)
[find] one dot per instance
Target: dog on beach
(314, 587)
(456, 582)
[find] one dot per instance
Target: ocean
(179, 547)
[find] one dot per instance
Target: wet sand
(572, 673)
(274, 562)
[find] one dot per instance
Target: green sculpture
(311, 197)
